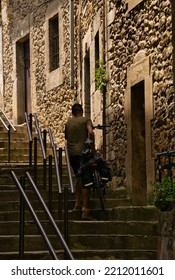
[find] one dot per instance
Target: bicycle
(92, 170)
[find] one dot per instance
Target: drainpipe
(104, 87)
(71, 44)
(1, 61)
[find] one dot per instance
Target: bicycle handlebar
(167, 153)
(100, 126)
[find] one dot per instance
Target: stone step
(12, 193)
(21, 146)
(20, 158)
(120, 254)
(86, 227)
(86, 246)
(79, 241)
(120, 213)
(5, 208)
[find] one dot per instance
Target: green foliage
(100, 75)
(164, 194)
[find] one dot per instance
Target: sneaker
(87, 217)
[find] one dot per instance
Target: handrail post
(66, 233)
(56, 161)
(29, 130)
(30, 142)
(50, 183)
(22, 221)
(69, 169)
(60, 166)
(30, 122)
(39, 136)
(35, 159)
(9, 139)
(60, 162)
(45, 138)
(44, 173)
(30, 153)
(45, 159)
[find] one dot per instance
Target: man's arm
(91, 135)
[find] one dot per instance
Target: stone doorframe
(137, 72)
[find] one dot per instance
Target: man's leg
(78, 192)
(85, 209)
(86, 199)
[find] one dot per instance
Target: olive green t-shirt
(76, 134)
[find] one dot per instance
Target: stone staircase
(122, 231)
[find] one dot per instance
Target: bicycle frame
(89, 170)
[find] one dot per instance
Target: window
(54, 43)
(97, 49)
(97, 54)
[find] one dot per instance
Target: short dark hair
(76, 108)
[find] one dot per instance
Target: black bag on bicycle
(85, 171)
(104, 168)
(86, 176)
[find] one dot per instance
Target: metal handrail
(69, 169)
(28, 127)
(43, 233)
(4, 124)
(9, 122)
(58, 233)
(8, 128)
(55, 160)
(166, 153)
(40, 136)
(168, 165)
(29, 130)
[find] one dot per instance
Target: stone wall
(146, 27)
(51, 105)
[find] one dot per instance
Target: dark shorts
(75, 163)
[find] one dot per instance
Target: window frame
(54, 78)
(54, 44)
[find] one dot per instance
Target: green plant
(100, 75)
(164, 194)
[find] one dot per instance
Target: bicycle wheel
(97, 183)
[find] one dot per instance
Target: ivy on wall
(100, 75)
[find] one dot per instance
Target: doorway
(23, 79)
(87, 105)
(138, 143)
